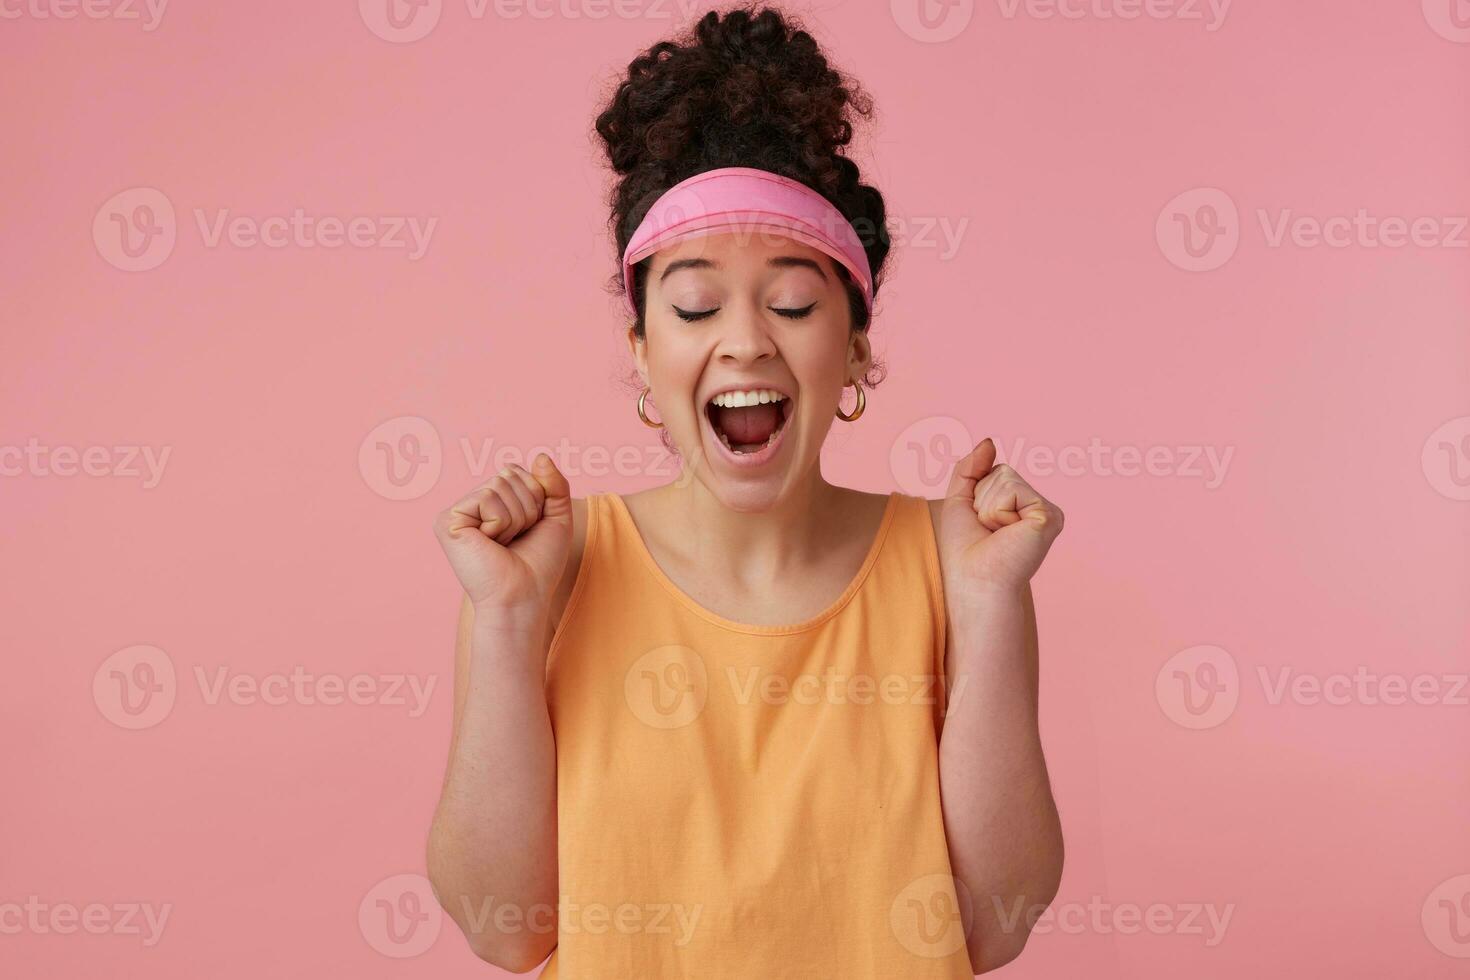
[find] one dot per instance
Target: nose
(744, 339)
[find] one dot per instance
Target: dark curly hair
(746, 88)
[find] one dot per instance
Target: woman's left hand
(994, 529)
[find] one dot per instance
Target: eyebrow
(777, 262)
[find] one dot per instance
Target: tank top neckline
(621, 513)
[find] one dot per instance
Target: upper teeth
(740, 399)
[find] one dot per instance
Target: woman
(747, 724)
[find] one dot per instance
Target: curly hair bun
(746, 88)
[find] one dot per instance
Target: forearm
(492, 845)
(1005, 839)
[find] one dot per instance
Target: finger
(520, 485)
(518, 519)
(970, 469)
(533, 486)
(995, 498)
(491, 507)
(480, 509)
(1011, 500)
(558, 503)
(448, 523)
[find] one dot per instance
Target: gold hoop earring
(862, 404)
(643, 414)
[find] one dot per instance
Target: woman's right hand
(508, 540)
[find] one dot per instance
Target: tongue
(751, 424)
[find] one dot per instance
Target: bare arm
(1005, 837)
(492, 848)
(492, 844)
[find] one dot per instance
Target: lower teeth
(746, 452)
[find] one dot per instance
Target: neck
(758, 541)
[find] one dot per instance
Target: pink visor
(744, 200)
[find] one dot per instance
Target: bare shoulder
(861, 505)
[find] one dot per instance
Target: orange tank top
(740, 801)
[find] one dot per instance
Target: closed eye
(794, 314)
(689, 316)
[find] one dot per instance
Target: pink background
(1337, 378)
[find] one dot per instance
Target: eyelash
(790, 314)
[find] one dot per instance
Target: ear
(859, 355)
(639, 350)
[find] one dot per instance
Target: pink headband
(740, 199)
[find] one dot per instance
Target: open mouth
(749, 420)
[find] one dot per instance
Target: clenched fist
(509, 539)
(994, 529)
